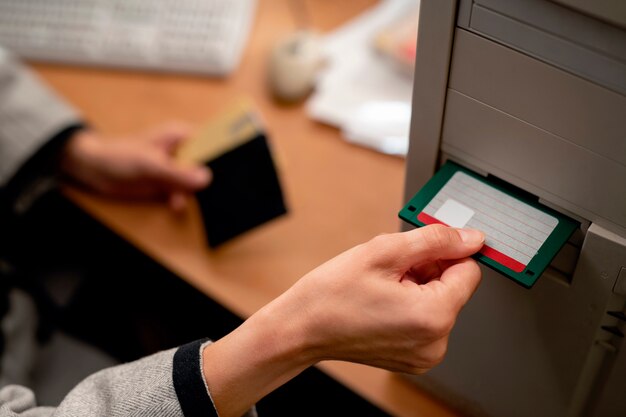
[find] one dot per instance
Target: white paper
(357, 76)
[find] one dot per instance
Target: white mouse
(293, 65)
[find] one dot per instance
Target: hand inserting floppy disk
(245, 191)
(522, 236)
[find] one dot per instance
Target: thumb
(401, 251)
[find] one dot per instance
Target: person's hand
(139, 166)
(389, 303)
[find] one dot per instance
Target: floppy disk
(245, 191)
(522, 235)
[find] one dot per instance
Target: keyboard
(198, 36)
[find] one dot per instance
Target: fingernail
(471, 236)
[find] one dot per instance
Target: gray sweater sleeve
(168, 384)
(30, 114)
(141, 388)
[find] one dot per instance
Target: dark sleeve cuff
(38, 172)
(188, 382)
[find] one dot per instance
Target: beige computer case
(533, 92)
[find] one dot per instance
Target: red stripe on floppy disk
(488, 251)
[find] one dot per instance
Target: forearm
(265, 352)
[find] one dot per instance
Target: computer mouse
(293, 65)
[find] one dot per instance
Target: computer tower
(533, 93)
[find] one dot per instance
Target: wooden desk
(339, 195)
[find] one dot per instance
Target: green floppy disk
(522, 235)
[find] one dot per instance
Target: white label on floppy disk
(514, 230)
(454, 213)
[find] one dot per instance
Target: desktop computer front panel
(550, 121)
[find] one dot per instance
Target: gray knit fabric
(30, 114)
(141, 388)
